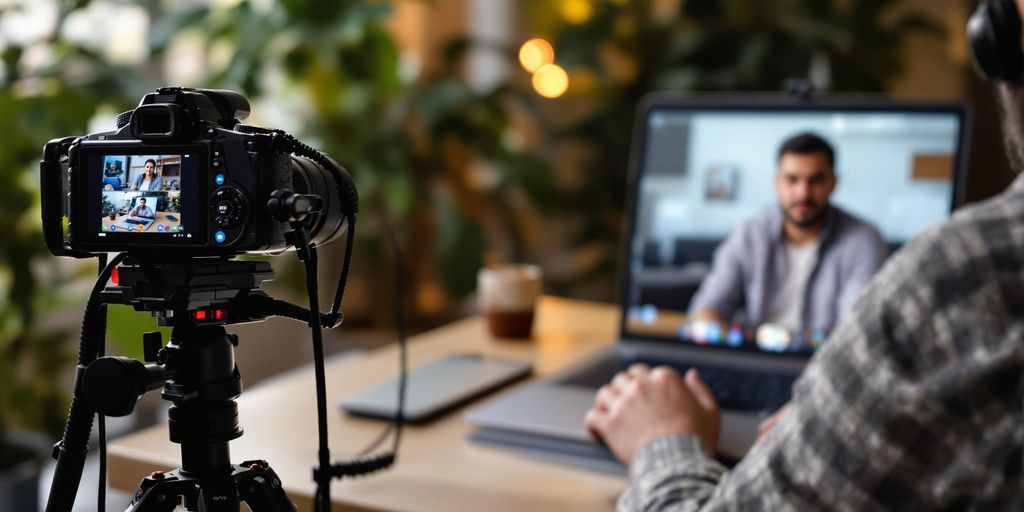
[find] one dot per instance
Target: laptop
(134, 224)
(700, 167)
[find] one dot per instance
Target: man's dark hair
(143, 199)
(809, 143)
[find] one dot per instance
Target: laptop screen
(704, 171)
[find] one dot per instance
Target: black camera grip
(51, 190)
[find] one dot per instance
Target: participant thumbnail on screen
(141, 212)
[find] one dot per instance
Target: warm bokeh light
(550, 81)
(576, 11)
(535, 53)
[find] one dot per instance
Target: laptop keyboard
(743, 390)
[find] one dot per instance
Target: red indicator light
(199, 314)
(220, 314)
(114, 277)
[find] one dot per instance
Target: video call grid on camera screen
(146, 194)
(706, 172)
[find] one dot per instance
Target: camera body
(180, 177)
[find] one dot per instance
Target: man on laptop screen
(141, 211)
(799, 266)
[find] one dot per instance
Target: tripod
(200, 378)
(198, 375)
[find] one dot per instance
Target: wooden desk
(437, 468)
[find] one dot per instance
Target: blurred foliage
(57, 97)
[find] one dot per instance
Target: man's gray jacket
(749, 268)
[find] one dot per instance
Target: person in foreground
(914, 403)
(800, 265)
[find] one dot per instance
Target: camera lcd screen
(145, 195)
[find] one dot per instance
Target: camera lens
(309, 177)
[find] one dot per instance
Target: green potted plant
(108, 208)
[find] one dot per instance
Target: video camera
(181, 177)
(176, 190)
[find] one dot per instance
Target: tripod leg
(260, 488)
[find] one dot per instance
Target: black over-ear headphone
(994, 31)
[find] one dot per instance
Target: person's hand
(769, 423)
(642, 404)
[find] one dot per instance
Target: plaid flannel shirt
(915, 402)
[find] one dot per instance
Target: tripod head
(201, 291)
(197, 298)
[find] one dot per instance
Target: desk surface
(437, 468)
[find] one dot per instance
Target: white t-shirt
(789, 301)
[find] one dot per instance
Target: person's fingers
(639, 370)
(620, 381)
(594, 422)
(605, 397)
(700, 390)
(666, 375)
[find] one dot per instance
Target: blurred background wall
(478, 130)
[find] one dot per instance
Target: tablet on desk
(437, 387)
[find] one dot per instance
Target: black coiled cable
(364, 464)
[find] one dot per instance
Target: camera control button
(217, 163)
(228, 207)
(225, 207)
(219, 179)
(219, 237)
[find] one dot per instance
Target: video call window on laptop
(705, 169)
